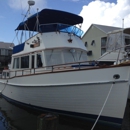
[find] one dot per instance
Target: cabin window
(82, 55)
(114, 41)
(74, 54)
(4, 75)
(39, 60)
(25, 62)
(53, 57)
(7, 74)
(68, 57)
(16, 63)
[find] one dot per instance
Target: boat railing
(7, 74)
(59, 27)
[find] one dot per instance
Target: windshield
(58, 27)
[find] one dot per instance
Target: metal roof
(6, 45)
(105, 28)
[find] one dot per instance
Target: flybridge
(49, 20)
(49, 16)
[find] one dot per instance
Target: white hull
(2, 85)
(112, 57)
(75, 92)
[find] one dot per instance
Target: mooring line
(4, 86)
(102, 107)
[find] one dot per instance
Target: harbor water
(14, 117)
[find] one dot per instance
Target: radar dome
(31, 2)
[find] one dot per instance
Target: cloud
(23, 5)
(106, 13)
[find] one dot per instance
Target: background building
(6, 50)
(95, 40)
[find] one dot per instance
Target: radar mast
(30, 3)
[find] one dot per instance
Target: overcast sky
(104, 12)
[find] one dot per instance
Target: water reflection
(13, 117)
(4, 125)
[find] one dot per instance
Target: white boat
(117, 49)
(49, 72)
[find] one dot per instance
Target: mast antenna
(123, 23)
(30, 3)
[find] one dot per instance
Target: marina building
(6, 50)
(95, 40)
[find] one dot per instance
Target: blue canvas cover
(48, 16)
(18, 48)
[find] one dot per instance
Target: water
(13, 117)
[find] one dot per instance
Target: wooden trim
(69, 70)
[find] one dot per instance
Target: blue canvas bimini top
(49, 16)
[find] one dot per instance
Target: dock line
(103, 106)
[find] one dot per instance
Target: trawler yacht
(50, 72)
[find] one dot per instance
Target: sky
(104, 12)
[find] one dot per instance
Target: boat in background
(50, 72)
(117, 49)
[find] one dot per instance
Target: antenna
(30, 3)
(122, 23)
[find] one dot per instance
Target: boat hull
(2, 85)
(79, 99)
(129, 93)
(109, 59)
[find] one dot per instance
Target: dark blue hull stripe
(90, 117)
